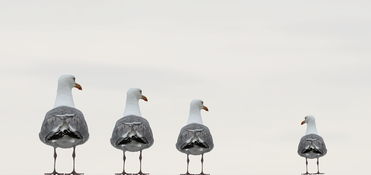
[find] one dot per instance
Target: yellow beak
(78, 86)
(205, 108)
(144, 98)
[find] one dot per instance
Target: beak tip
(78, 86)
(205, 108)
(144, 98)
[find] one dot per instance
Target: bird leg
(187, 173)
(73, 157)
(306, 166)
(123, 165)
(202, 164)
(318, 167)
(140, 164)
(55, 160)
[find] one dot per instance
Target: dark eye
(140, 91)
(74, 79)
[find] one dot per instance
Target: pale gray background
(260, 66)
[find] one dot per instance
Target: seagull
(311, 145)
(195, 138)
(64, 126)
(132, 132)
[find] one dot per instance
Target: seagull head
(68, 81)
(308, 119)
(136, 93)
(198, 104)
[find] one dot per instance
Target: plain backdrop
(260, 67)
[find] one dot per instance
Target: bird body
(195, 139)
(132, 133)
(64, 127)
(311, 145)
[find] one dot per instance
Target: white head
(68, 81)
(136, 94)
(308, 119)
(64, 94)
(198, 105)
(195, 111)
(311, 125)
(132, 98)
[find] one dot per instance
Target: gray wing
(131, 128)
(312, 146)
(195, 139)
(64, 118)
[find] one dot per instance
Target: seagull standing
(311, 145)
(64, 126)
(195, 138)
(132, 132)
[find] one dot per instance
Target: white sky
(260, 67)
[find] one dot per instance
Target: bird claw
(140, 173)
(318, 173)
(123, 173)
(74, 173)
(54, 173)
(194, 174)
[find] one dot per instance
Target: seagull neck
(132, 107)
(194, 116)
(311, 128)
(64, 97)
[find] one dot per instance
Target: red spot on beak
(205, 108)
(78, 86)
(144, 98)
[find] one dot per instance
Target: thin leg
(187, 163)
(306, 165)
(74, 163)
(73, 157)
(317, 165)
(202, 164)
(140, 162)
(55, 159)
(123, 165)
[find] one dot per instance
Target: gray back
(312, 146)
(122, 128)
(56, 117)
(190, 131)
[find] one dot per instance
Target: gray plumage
(195, 139)
(132, 133)
(64, 127)
(312, 146)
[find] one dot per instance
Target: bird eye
(140, 91)
(74, 79)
